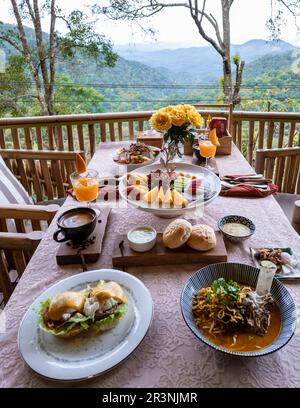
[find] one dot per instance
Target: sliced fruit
(80, 164)
(83, 181)
(160, 196)
(213, 137)
(178, 199)
(136, 192)
(139, 179)
(151, 196)
(168, 200)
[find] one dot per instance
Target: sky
(248, 18)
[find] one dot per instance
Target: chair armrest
(16, 241)
(28, 212)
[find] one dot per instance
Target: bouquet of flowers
(176, 122)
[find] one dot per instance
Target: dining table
(170, 355)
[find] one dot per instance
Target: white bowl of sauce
(142, 239)
(236, 228)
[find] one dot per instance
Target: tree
(205, 22)
(14, 87)
(280, 8)
(42, 54)
(70, 97)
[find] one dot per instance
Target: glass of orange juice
(208, 150)
(85, 185)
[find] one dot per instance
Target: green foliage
(236, 59)
(70, 98)
(14, 88)
(83, 38)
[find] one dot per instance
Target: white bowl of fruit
(169, 193)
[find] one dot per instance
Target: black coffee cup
(76, 224)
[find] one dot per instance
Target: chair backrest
(16, 250)
(18, 246)
(282, 166)
(45, 174)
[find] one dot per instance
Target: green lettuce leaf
(77, 319)
(39, 309)
(118, 313)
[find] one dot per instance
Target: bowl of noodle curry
(220, 306)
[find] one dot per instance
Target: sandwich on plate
(69, 313)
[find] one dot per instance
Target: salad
(136, 153)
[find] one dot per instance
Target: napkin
(247, 190)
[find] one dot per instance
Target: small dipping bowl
(237, 219)
(142, 239)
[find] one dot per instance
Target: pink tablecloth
(170, 355)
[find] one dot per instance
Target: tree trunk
(52, 59)
(226, 49)
(29, 58)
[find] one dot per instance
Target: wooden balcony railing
(250, 130)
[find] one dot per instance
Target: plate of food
(287, 265)
(221, 307)
(85, 325)
(136, 155)
(169, 192)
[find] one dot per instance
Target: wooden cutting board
(160, 255)
(67, 254)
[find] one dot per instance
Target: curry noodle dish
(235, 317)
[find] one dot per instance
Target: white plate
(211, 179)
(132, 166)
(88, 354)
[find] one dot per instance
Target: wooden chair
(283, 167)
(17, 248)
(45, 174)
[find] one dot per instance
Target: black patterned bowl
(237, 219)
(246, 275)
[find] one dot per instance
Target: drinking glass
(85, 186)
(208, 150)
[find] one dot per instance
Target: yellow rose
(160, 121)
(167, 109)
(178, 116)
(194, 117)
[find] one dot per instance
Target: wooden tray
(151, 139)
(67, 255)
(160, 255)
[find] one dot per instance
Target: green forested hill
(269, 63)
(84, 86)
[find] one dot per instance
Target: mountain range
(135, 83)
(202, 64)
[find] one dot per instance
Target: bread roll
(203, 238)
(177, 233)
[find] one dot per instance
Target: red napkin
(246, 190)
